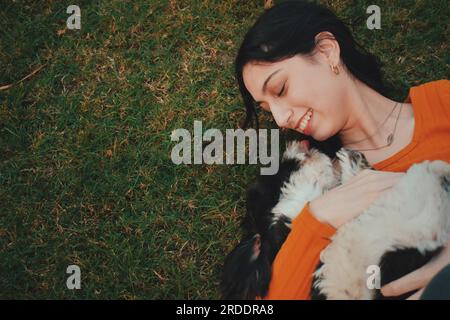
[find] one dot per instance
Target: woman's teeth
(305, 120)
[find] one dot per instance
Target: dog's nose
(305, 145)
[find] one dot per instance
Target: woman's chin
(319, 137)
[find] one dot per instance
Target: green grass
(85, 171)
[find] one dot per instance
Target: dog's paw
(296, 150)
(351, 162)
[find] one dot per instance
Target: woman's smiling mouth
(303, 122)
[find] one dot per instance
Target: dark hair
(289, 28)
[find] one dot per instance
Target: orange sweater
(298, 257)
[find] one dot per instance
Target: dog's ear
(263, 195)
(246, 272)
(276, 236)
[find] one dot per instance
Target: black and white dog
(399, 232)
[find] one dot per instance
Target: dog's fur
(399, 232)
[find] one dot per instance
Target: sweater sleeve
(298, 257)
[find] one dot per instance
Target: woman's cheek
(323, 128)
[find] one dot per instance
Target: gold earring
(335, 69)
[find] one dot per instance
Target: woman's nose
(281, 116)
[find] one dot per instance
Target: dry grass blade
(24, 78)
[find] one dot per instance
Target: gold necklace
(390, 137)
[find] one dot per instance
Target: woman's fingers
(391, 181)
(376, 181)
(343, 203)
(412, 281)
(417, 295)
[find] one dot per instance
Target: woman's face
(304, 86)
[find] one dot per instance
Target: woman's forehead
(260, 68)
(255, 74)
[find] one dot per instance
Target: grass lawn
(85, 171)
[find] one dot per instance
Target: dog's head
(315, 167)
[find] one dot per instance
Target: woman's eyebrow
(264, 87)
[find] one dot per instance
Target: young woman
(300, 63)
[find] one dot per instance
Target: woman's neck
(367, 110)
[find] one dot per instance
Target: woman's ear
(328, 48)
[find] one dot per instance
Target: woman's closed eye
(260, 107)
(282, 89)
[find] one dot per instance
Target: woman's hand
(419, 278)
(350, 199)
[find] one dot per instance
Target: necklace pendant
(390, 139)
